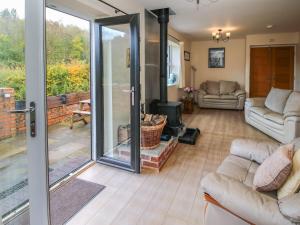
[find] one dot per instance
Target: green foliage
(78, 77)
(67, 49)
(66, 43)
(57, 82)
(14, 79)
(11, 39)
(63, 79)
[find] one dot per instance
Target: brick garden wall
(12, 124)
(7, 120)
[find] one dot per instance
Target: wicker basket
(150, 135)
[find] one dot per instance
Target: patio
(68, 150)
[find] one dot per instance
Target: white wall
(234, 61)
(269, 40)
(174, 93)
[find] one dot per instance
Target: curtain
(182, 66)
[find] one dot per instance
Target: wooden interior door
(271, 67)
(283, 67)
(260, 71)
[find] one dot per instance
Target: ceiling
(240, 17)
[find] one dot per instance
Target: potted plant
(188, 100)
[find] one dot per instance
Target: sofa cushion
(260, 110)
(275, 117)
(238, 168)
(243, 201)
(211, 96)
(266, 124)
(276, 99)
(274, 171)
(227, 87)
(232, 97)
(213, 87)
(289, 207)
(292, 185)
(293, 103)
(254, 150)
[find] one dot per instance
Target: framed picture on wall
(187, 56)
(216, 58)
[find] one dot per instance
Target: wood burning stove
(162, 106)
(173, 112)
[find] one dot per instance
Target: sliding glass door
(23, 171)
(14, 192)
(118, 91)
(68, 93)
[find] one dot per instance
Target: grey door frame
(133, 21)
(35, 61)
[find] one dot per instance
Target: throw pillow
(227, 87)
(292, 184)
(213, 87)
(274, 171)
(292, 104)
(276, 99)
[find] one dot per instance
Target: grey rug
(68, 199)
(65, 201)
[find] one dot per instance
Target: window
(173, 63)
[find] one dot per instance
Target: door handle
(127, 91)
(131, 91)
(31, 110)
(132, 95)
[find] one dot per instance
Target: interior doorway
(271, 67)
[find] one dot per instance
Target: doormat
(68, 199)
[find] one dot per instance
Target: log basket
(150, 135)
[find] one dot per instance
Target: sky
(51, 14)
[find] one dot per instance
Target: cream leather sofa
(230, 197)
(221, 95)
(278, 115)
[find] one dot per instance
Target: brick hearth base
(155, 159)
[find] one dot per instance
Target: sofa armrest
(254, 150)
(239, 93)
(289, 207)
(243, 201)
(291, 114)
(201, 92)
(255, 102)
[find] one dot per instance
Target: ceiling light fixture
(217, 36)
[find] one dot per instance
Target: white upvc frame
(35, 60)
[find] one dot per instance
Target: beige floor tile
(173, 196)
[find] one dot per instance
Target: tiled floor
(173, 196)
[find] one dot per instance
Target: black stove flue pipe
(163, 20)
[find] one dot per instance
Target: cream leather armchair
(284, 125)
(229, 194)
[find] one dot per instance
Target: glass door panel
(117, 91)
(14, 192)
(68, 93)
(118, 98)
